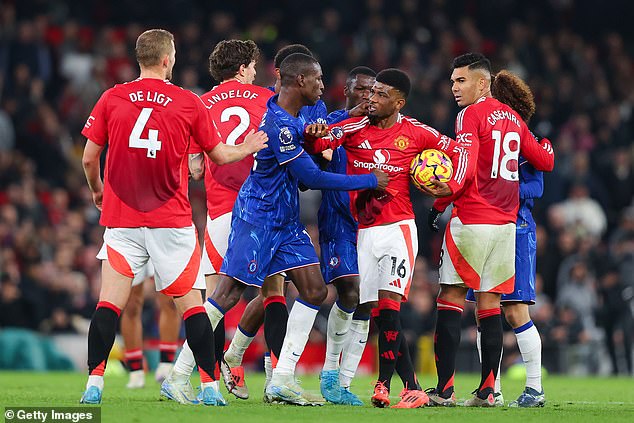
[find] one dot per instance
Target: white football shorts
(386, 255)
(216, 242)
(481, 257)
(173, 252)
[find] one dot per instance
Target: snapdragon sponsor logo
(381, 162)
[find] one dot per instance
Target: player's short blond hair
(152, 46)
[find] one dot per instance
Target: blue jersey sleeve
(305, 170)
(337, 116)
(284, 142)
(531, 181)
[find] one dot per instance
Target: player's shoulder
(415, 125)
(315, 113)
(475, 112)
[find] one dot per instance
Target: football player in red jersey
(148, 124)
(235, 106)
(387, 242)
(479, 246)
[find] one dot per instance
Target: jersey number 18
(503, 147)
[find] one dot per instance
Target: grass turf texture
(568, 399)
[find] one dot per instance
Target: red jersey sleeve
(465, 149)
(339, 133)
(314, 145)
(96, 127)
(204, 130)
(539, 154)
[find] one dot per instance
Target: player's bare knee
(228, 292)
(453, 294)
(315, 295)
(134, 307)
(516, 314)
(487, 300)
(348, 294)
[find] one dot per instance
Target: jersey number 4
(151, 143)
(507, 147)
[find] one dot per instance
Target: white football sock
(215, 384)
(300, 323)
(239, 344)
(214, 313)
(268, 369)
(353, 350)
(530, 345)
(186, 362)
(338, 326)
(479, 343)
(95, 381)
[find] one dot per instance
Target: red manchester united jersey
(493, 133)
(235, 108)
(148, 124)
(391, 150)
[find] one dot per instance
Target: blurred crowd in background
(57, 57)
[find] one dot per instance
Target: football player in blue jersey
(266, 235)
(274, 308)
(347, 331)
(508, 88)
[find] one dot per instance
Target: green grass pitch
(568, 400)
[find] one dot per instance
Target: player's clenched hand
(255, 141)
(316, 130)
(327, 154)
(97, 198)
(381, 178)
(360, 109)
(439, 189)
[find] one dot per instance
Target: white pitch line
(596, 402)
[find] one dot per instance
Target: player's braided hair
(228, 55)
(511, 90)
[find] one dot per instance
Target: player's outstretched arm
(92, 169)
(224, 154)
(305, 170)
(315, 138)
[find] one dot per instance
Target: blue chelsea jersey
(334, 217)
(270, 197)
(531, 187)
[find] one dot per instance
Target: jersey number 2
(503, 148)
(151, 143)
(242, 127)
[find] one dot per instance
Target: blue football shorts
(255, 252)
(338, 259)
